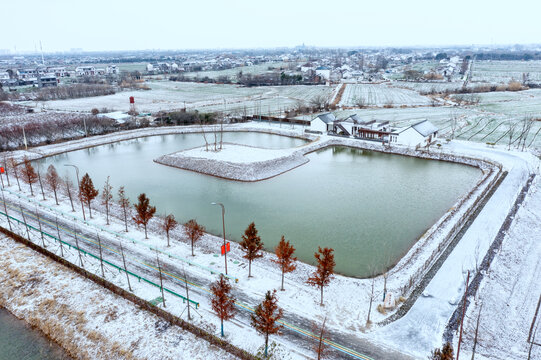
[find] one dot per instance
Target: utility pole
(6, 210)
(59, 239)
(101, 258)
(79, 250)
(125, 268)
(161, 279)
(25, 224)
(40, 231)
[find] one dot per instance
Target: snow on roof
(323, 68)
(425, 128)
(327, 118)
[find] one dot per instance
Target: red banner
(2, 170)
(227, 247)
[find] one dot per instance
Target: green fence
(120, 269)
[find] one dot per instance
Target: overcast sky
(199, 24)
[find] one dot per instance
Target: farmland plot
(380, 95)
(505, 71)
(232, 73)
(168, 95)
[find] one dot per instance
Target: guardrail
(120, 269)
(122, 236)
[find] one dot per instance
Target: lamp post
(79, 186)
(223, 224)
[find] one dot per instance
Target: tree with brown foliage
(265, 317)
(324, 271)
(143, 212)
(169, 223)
(106, 197)
(252, 246)
(194, 231)
(446, 353)
(53, 180)
(28, 173)
(124, 203)
(223, 302)
(87, 191)
(284, 258)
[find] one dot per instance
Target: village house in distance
(422, 133)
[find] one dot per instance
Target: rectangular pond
(370, 207)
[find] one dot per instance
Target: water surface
(18, 341)
(370, 207)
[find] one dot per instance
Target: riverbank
(88, 321)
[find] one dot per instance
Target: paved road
(142, 261)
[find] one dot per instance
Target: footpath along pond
(370, 207)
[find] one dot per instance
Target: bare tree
(194, 232)
(169, 224)
(69, 190)
(106, 197)
(13, 165)
(124, 204)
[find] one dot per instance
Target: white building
(112, 69)
(85, 71)
(323, 123)
(323, 72)
(421, 133)
(4, 75)
(57, 71)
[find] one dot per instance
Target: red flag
(1, 170)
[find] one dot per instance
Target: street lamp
(79, 186)
(223, 224)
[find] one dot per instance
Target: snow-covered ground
(508, 296)
(235, 162)
(416, 333)
(87, 320)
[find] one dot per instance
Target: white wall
(318, 125)
(410, 137)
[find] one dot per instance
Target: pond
(370, 207)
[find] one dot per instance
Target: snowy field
(505, 71)
(252, 70)
(381, 95)
(508, 297)
(168, 95)
(98, 325)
